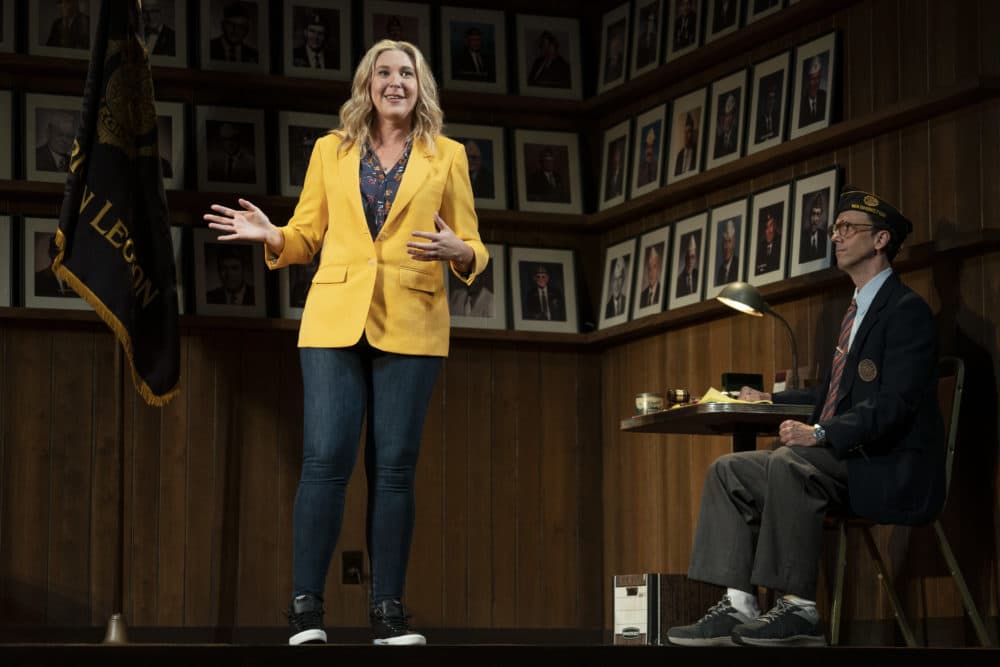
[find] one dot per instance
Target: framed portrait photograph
(42, 289)
(548, 56)
(766, 254)
(650, 138)
(617, 140)
(6, 26)
(165, 27)
(297, 134)
(473, 50)
(759, 9)
(386, 19)
(483, 304)
(815, 73)
(228, 276)
(487, 168)
(686, 125)
(548, 171)
(647, 37)
(619, 265)
(294, 282)
(6, 261)
(234, 35)
(62, 28)
(771, 79)
(690, 235)
(317, 39)
(614, 42)
(543, 289)
(725, 132)
(50, 125)
(812, 219)
(722, 17)
(177, 242)
(727, 226)
(651, 277)
(6, 134)
(231, 154)
(170, 133)
(684, 31)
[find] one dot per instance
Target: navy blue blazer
(887, 423)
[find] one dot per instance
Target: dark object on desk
(736, 381)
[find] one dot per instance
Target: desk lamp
(746, 298)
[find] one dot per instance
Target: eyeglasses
(848, 229)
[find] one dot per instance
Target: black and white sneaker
(786, 624)
(391, 627)
(713, 629)
(305, 620)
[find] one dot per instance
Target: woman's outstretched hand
(248, 224)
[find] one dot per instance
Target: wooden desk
(745, 421)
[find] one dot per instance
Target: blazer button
(371, 262)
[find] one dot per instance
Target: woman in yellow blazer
(385, 199)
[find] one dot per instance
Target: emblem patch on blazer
(867, 370)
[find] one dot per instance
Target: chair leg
(838, 587)
(883, 576)
(956, 575)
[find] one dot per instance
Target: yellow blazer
(374, 286)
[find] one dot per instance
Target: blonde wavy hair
(357, 115)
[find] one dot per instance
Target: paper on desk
(713, 395)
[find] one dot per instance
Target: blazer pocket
(418, 280)
(330, 274)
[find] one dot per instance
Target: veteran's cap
(883, 213)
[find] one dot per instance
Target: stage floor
(484, 655)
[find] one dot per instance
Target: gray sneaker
(786, 624)
(713, 629)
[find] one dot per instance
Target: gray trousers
(761, 521)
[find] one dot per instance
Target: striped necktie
(839, 360)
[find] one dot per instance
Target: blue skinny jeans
(341, 386)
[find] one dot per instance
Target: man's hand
(751, 394)
(796, 433)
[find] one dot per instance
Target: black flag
(114, 245)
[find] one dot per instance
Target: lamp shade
(746, 298)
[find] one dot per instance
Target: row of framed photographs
(780, 232)
(315, 39)
(232, 150)
(660, 31)
(788, 95)
(228, 279)
(230, 143)
(777, 233)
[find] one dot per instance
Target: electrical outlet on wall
(353, 568)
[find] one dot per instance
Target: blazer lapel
(350, 175)
(871, 318)
(417, 171)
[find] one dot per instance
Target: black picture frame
(557, 266)
(771, 82)
(767, 251)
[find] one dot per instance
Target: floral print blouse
(378, 187)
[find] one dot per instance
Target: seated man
(874, 444)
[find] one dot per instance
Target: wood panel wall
(529, 497)
(943, 175)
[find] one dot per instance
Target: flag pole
(117, 629)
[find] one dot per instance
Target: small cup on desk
(648, 402)
(678, 397)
